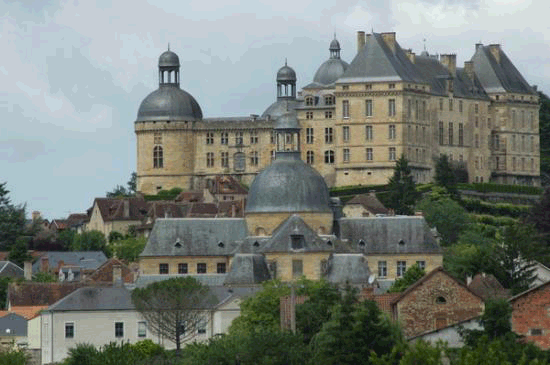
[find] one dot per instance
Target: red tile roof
(117, 209)
(28, 312)
(370, 202)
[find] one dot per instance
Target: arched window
(440, 300)
(260, 231)
(158, 160)
(329, 157)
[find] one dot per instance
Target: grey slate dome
(330, 71)
(286, 73)
(280, 107)
(288, 185)
(169, 102)
(169, 59)
(334, 45)
(288, 120)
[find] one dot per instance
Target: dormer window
(178, 243)
(329, 243)
(221, 244)
(361, 243)
(329, 100)
(297, 241)
(401, 242)
(256, 244)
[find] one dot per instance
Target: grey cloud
(17, 151)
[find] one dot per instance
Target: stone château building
(357, 119)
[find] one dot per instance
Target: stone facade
(151, 265)
(354, 129)
(530, 315)
(435, 301)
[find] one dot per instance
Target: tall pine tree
(402, 195)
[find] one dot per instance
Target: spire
(168, 46)
(286, 62)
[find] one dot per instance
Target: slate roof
(497, 76)
(205, 279)
(369, 202)
(349, 267)
(389, 235)
(378, 62)
(228, 123)
(95, 298)
(38, 294)
(247, 269)
(86, 260)
(9, 269)
(281, 239)
(195, 237)
(16, 324)
(116, 209)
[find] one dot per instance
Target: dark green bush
(498, 209)
(501, 188)
(492, 220)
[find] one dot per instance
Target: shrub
(500, 188)
(498, 209)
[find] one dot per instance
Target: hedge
(492, 220)
(498, 209)
(500, 188)
(164, 195)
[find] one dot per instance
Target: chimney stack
(36, 215)
(411, 55)
(27, 268)
(44, 264)
(449, 61)
(495, 51)
(126, 208)
(117, 275)
(469, 69)
(360, 41)
(389, 38)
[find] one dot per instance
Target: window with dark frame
(201, 268)
(345, 108)
(309, 135)
(329, 157)
(163, 269)
(142, 329)
(382, 269)
(224, 138)
(401, 268)
(158, 158)
(69, 330)
(119, 329)
(182, 268)
(221, 267)
(297, 268)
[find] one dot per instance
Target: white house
(99, 315)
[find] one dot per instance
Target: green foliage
(353, 332)
(44, 277)
(4, 282)
(13, 357)
(445, 176)
(66, 238)
(165, 194)
(124, 192)
(129, 248)
(500, 188)
(82, 354)
(497, 318)
(91, 241)
(419, 352)
(18, 253)
(445, 214)
(544, 125)
(402, 189)
(498, 209)
(12, 219)
(141, 353)
(411, 276)
(539, 215)
(170, 307)
(492, 220)
(115, 236)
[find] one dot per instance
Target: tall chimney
(469, 69)
(117, 275)
(411, 55)
(360, 41)
(449, 61)
(35, 215)
(126, 208)
(495, 51)
(389, 38)
(27, 268)
(44, 264)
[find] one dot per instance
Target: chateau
(357, 119)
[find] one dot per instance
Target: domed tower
(288, 186)
(333, 68)
(286, 93)
(164, 132)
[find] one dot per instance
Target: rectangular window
(254, 158)
(221, 267)
(273, 137)
(201, 268)
(163, 269)
(225, 159)
(309, 115)
(142, 329)
(513, 119)
(346, 155)
(421, 264)
(476, 108)
(253, 137)
(345, 108)
(368, 87)
(460, 106)
(209, 138)
(401, 268)
(451, 131)
(309, 100)
(368, 133)
(392, 154)
(441, 132)
(345, 133)
(535, 332)
(69, 330)
(224, 138)
(328, 114)
(476, 140)
(182, 268)
(391, 86)
(239, 138)
(297, 268)
(391, 107)
(201, 327)
(309, 135)
(450, 105)
(441, 104)
(210, 159)
(329, 157)
(460, 134)
(328, 135)
(310, 157)
(368, 108)
(119, 329)
(382, 269)
(369, 154)
(409, 108)
(329, 100)
(391, 131)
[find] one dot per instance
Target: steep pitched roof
(13, 324)
(389, 235)
(378, 62)
(104, 273)
(205, 279)
(498, 75)
(86, 260)
(529, 291)
(195, 237)
(348, 267)
(121, 209)
(9, 269)
(369, 202)
(487, 287)
(95, 298)
(39, 294)
(28, 312)
(295, 235)
(247, 269)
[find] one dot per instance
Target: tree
(445, 176)
(174, 308)
(129, 248)
(402, 195)
(65, 238)
(445, 214)
(44, 277)
(90, 241)
(18, 253)
(132, 184)
(122, 192)
(540, 214)
(497, 318)
(411, 276)
(12, 219)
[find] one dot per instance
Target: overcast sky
(73, 73)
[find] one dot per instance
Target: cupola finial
(168, 45)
